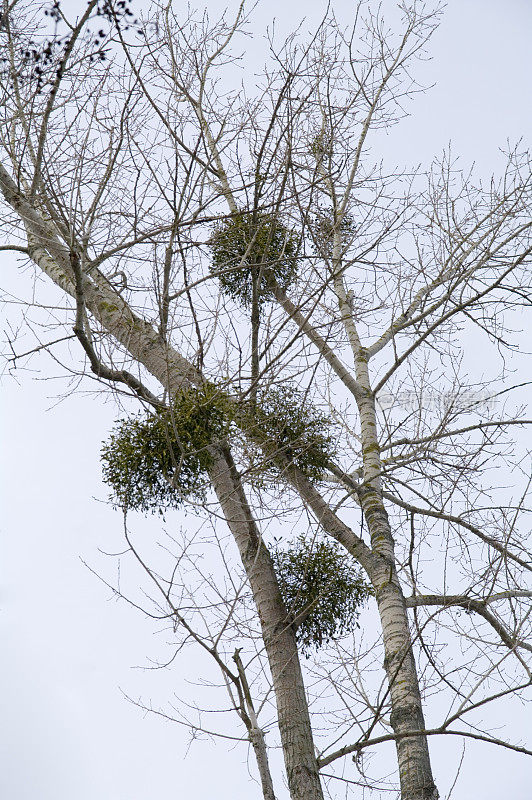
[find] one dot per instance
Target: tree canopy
(293, 321)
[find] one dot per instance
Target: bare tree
(291, 319)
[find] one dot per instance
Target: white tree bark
(415, 771)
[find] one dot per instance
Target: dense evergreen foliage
(156, 461)
(159, 460)
(290, 429)
(322, 588)
(245, 245)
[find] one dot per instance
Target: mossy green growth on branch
(246, 244)
(289, 428)
(158, 460)
(322, 588)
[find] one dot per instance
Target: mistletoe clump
(289, 428)
(321, 145)
(157, 461)
(248, 245)
(324, 228)
(322, 590)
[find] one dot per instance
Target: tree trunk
(415, 771)
(278, 635)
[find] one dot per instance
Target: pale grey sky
(68, 647)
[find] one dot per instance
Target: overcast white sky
(67, 731)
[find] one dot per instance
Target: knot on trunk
(407, 716)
